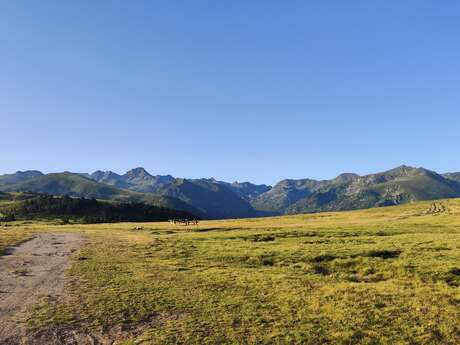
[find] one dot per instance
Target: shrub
(384, 254)
(321, 269)
(262, 238)
(323, 258)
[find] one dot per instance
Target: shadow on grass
(383, 254)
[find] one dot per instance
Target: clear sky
(237, 90)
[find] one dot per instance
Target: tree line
(88, 210)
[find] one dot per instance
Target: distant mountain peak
(403, 169)
(105, 174)
(19, 176)
(247, 183)
(346, 177)
(211, 179)
(29, 172)
(108, 177)
(137, 173)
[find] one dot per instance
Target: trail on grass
(29, 272)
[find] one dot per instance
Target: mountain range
(212, 199)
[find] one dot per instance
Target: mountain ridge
(76, 185)
(210, 198)
(392, 187)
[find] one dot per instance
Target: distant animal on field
(183, 221)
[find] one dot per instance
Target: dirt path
(31, 271)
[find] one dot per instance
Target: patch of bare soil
(29, 272)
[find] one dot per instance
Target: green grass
(380, 276)
(13, 233)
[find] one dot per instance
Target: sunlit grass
(380, 276)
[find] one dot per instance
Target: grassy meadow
(379, 276)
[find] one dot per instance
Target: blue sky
(237, 90)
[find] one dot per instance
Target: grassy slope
(78, 210)
(216, 201)
(79, 186)
(379, 276)
(420, 185)
(285, 193)
(424, 187)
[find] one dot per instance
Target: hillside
(452, 176)
(79, 186)
(19, 176)
(206, 198)
(214, 199)
(393, 187)
(210, 197)
(84, 210)
(108, 177)
(288, 192)
(246, 190)
(137, 179)
(140, 180)
(285, 193)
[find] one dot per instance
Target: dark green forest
(86, 210)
